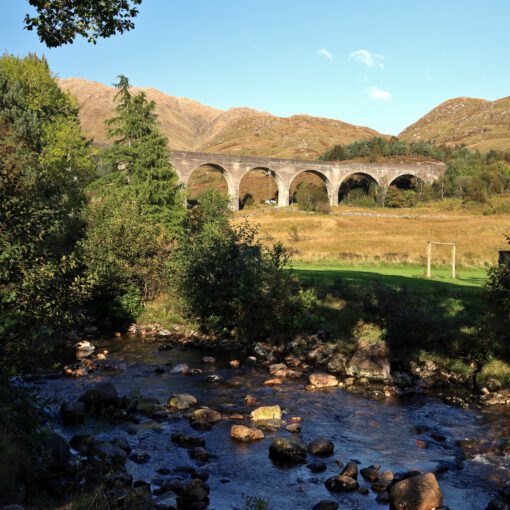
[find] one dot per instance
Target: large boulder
(181, 401)
(72, 413)
(148, 405)
(55, 454)
(245, 434)
(109, 453)
(323, 381)
(420, 492)
(371, 358)
(100, 397)
(266, 413)
(194, 495)
(288, 450)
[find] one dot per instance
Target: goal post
(429, 257)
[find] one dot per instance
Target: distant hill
(477, 123)
(190, 125)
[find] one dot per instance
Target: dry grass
(357, 236)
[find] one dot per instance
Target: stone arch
(363, 181)
(404, 181)
(227, 176)
(274, 183)
(324, 178)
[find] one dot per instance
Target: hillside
(190, 125)
(477, 123)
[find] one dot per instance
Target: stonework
(234, 168)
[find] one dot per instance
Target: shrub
(312, 197)
(400, 198)
(228, 282)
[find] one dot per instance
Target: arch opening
(258, 185)
(205, 177)
(310, 190)
(358, 189)
(407, 181)
(405, 191)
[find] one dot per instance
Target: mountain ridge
(191, 125)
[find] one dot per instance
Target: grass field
(361, 237)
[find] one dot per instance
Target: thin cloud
(323, 52)
(377, 94)
(368, 58)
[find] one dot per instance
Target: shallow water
(368, 431)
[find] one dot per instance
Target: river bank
(165, 449)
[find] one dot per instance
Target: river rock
(370, 473)
(245, 434)
(326, 504)
(321, 447)
(72, 413)
(370, 360)
(288, 450)
(350, 470)
(295, 428)
(208, 360)
(199, 453)
(108, 453)
(194, 495)
(148, 405)
(100, 397)
(341, 483)
(273, 382)
(204, 417)
(187, 441)
(421, 492)
(82, 442)
(84, 348)
(321, 380)
(266, 413)
(55, 454)
(181, 368)
(140, 458)
(181, 401)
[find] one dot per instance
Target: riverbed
(417, 432)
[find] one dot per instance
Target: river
(369, 431)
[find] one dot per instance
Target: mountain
(190, 125)
(477, 123)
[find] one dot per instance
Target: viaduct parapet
(234, 168)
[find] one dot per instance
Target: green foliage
(470, 175)
(58, 22)
(255, 503)
(135, 213)
(497, 324)
(312, 197)
(228, 282)
(44, 164)
(400, 197)
(21, 431)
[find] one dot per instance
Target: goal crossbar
(429, 257)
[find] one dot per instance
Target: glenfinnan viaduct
(234, 168)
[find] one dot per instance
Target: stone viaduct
(234, 168)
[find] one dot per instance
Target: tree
(135, 213)
(312, 197)
(45, 162)
(58, 22)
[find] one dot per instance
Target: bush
(400, 198)
(228, 282)
(497, 320)
(312, 197)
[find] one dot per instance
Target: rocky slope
(477, 123)
(190, 125)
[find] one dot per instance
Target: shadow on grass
(418, 314)
(359, 278)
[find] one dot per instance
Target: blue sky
(368, 62)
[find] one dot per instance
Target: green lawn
(391, 275)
